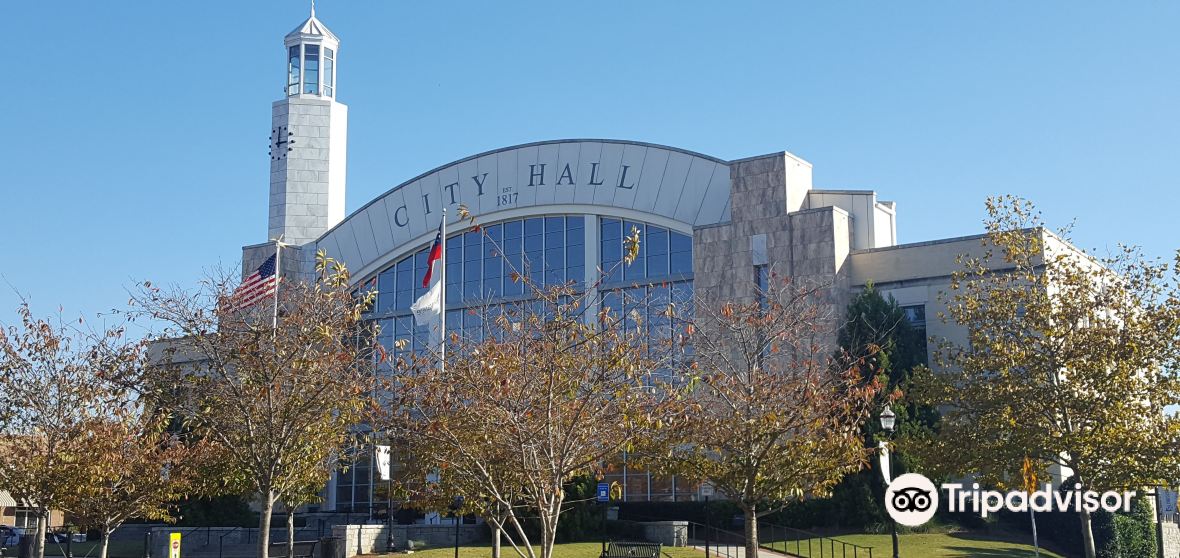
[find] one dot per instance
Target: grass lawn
(958, 545)
(938, 545)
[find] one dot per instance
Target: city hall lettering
(506, 196)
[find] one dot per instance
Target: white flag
(383, 461)
(428, 311)
(428, 308)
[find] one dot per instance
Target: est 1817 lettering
(506, 199)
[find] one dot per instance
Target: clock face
(280, 142)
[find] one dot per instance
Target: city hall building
(710, 227)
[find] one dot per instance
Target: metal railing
(718, 543)
(805, 544)
(221, 541)
(722, 543)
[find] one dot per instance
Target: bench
(632, 550)
(303, 549)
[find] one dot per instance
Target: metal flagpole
(442, 317)
(274, 323)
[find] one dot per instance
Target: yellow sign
(616, 491)
(174, 545)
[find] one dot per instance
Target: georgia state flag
(428, 308)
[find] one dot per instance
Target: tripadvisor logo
(912, 499)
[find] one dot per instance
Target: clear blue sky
(134, 136)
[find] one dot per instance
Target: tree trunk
(105, 542)
(1087, 535)
(549, 526)
(290, 531)
(42, 528)
(496, 542)
(268, 506)
(751, 532)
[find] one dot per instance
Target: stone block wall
(667, 533)
(298, 263)
(307, 182)
(768, 224)
(371, 539)
(1169, 536)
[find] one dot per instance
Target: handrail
(221, 541)
(799, 536)
(803, 544)
(712, 537)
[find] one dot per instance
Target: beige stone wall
(810, 245)
(1169, 535)
(374, 539)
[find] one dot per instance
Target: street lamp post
(455, 507)
(888, 423)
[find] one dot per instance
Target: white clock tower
(309, 139)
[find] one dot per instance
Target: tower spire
(312, 8)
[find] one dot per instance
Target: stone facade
(667, 533)
(307, 168)
(297, 262)
(1169, 537)
(769, 227)
(373, 539)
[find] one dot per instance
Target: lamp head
(888, 419)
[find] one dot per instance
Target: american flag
(257, 286)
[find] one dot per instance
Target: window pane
(328, 76)
(512, 287)
(575, 255)
(555, 266)
(681, 249)
(513, 229)
(471, 292)
(311, 70)
(657, 265)
(495, 232)
(293, 70)
(385, 290)
(533, 242)
(657, 240)
(638, 268)
(610, 229)
(680, 262)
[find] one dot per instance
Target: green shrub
(1136, 531)
(1106, 535)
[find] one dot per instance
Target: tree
(277, 386)
(541, 394)
(1069, 360)
(55, 380)
(310, 475)
(877, 328)
(132, 467)
(771, 416)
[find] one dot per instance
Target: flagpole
(274, 321)
(442, 324)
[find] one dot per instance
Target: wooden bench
(303, 549)
(632, 550)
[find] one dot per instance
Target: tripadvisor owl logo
(911, 499)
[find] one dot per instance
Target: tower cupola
(311, 59)
(308, 138)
